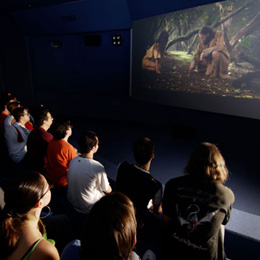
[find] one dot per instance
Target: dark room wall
(39, 73)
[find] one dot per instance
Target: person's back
(138, 185)
(135, 180)
(59, 154)
(196, 206)
(38, 141)
(17, 136)
(87, 179)
(21, 231)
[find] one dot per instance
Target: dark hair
(143, 150)
(110, 229)
(6, 100)
(12, 105)
(20, 197)
(59, 128)
(207, 30)
(41, 115)
(162, 40)
(18, 112)
(87, 140)
(207, 163)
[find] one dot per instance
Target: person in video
(197, 205)
(211, 56)
(151, 60)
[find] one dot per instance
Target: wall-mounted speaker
(92, 40)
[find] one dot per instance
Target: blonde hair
(207, 163)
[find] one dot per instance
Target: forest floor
(175, 76)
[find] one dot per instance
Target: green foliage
(180, 56)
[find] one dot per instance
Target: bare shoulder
(45, 251)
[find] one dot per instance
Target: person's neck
(66, 138)
(6, 112)
(22, 123)
(87, 155)
(145, 167)
(33, 218)
(45, 127)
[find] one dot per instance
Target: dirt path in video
(175, 77)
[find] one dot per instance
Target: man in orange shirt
(59, 154)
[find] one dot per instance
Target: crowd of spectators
(91, 216)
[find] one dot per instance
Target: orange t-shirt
(59, 155)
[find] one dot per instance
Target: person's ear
(153, 156)
(39, 204)
(135, 240)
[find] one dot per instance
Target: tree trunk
(247, 30)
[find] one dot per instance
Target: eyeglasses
(50, 187)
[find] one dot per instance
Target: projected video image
(202, 52)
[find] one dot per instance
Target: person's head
(26, 194)
(43, 117)
(88, 141)
(207, 163)
(143, 150)
(110, 229)
(21, 115)
(162, 40)
(6, 99)
(206, 34)
(12, 106)
(61, 128)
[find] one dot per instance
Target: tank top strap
(31, 249)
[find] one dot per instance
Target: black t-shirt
(138, 185)
(197, 209)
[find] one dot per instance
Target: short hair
(60, 127)
(207, 163)
(87, 140)
(41, 115)
(6, 100)
(18, 112)
(207, 30)
(143, 149)
(12, 105)
(110, 229)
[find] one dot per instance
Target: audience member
(196, 206)
(59, 154)
(21, 231)
(38, 141)
(87, 179)
(4, 111)
(17, 135)
(135, 180)
(9, 120)
(110, 232)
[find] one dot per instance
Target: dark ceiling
(12, 5)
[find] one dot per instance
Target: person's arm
(108, 190)
(157, 70)
(157, 202)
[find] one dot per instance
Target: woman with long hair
(151, 60)
(196, 206)
(22, 232)
(110, 232)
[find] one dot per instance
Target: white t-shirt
(87, 181)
